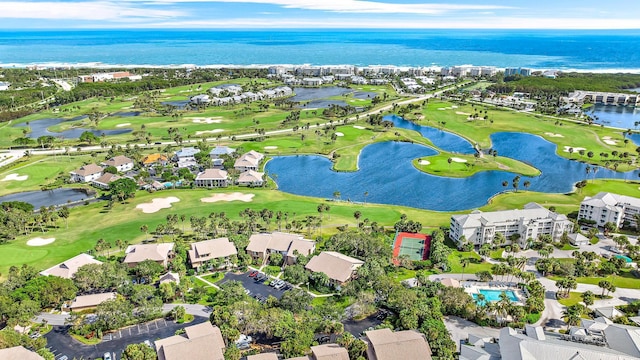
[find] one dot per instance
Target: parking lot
(256, 289)
(61, 343)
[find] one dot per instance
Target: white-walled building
(86, 173)
(120, 162)
(607, 207)
(481, 227)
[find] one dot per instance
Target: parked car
(253, 273)
(106, 356)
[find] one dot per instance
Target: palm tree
(464, 263)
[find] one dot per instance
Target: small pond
(623, 117)
(126, 114)
(177, 103)
(635, 138)
(41, 128)
(47, 198)
(386, 173)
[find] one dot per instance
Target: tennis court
(415, 246)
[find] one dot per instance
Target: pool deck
(472, 287)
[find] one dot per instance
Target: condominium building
(534, 220)
(607, 207)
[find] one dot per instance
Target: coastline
(431, 66)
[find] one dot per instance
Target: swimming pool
(626, 258)
(494, 295)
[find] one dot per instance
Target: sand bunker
(228, 197)
(209, 120)
(458, 160)
(38, 241)
(270, 147)
(442, 109)
(462, 113)
(214, 131)
(123, 124)
(339, 134)
(15, 177)
(607, 140)
(359, 127)
(424, 162)
(553, 135)
(454, 106)
(157, 204)
(575, 149)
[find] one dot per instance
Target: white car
(106, 356)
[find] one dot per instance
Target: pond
(623, 117)
(635, 138)
(386, 173)
(41, 128)
(47, 198)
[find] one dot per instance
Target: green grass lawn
(563, 134)
(574, 298)
(40, 171)
(213, 278)
(124, 221)
(468, 165)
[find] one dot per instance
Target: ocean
(605, 51)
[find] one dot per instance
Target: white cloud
(450, 23)
(353, 6)
(91, 10)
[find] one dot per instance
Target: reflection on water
(47, 198)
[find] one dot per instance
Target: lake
(623, 117)
(387, 174)
(47, 198)
(41, 128)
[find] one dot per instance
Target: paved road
(60, 343)
(193, 309)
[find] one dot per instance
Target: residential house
(338, 267)
(578, 239)
(289, 245)
(200, 99)
(169, 277)
(68, 268)
(384, 344)
(85, 302)
(218, 151)
(219, 249)
(251, 178)
(313, 81)
(186, 157)
(19, 353)
(103, 181)
(248, 161)
(199, 342)
(264, 356)
(328, 352)
(608, 207)
(153, 159)
(481, 227)
(86, 173)
(211, 178)
(160, 253)
(120, 162)
(534, 343)
(609, 312)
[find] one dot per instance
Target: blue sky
(243, 14)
